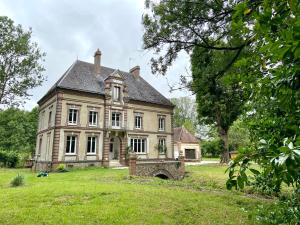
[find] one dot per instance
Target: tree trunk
(225, 155)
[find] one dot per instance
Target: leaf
(254, 171)
(247, 11)
(240, 182)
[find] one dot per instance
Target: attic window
(116, 93)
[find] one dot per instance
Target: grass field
(109, 196)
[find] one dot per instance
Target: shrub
(61, 168)
(211, 148)
(17, 181)
(9, 158)
(264, 184)
(285, 211)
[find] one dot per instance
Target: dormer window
(116, 93)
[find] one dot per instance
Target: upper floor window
(42, 116)
(50, 119)
(73, 114)
(162, 145)
(138, 121)
(161, 123)
(116, 93)
(91, 145)
(93, 116)
(115, 119)
(71, 145)
(138, 145)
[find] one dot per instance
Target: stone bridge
(165, 169)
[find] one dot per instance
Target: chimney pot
(97, 61)
(135, 71)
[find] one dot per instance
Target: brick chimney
(135, 71)
(97, 61)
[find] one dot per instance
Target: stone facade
(57, 136)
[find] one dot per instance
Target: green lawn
(107, 196)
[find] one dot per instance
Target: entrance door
(190, 153)
(114, 148)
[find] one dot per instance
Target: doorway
(114, 148)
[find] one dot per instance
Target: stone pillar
(105, 156)
(132, 164)
(123, 150)
(181, 169)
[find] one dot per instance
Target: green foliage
(211, 148)
(162, 149)
(185, 113)
(18, 129)
(265, 184)
(61, 168)
(17, 181)
(285, 211)
(20, 63)
(9, 158)
(238, 136)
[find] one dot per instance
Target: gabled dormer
(115, 88)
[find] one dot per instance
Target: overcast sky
(71, 29)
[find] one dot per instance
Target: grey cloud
(66, 30)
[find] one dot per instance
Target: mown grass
(108, 196)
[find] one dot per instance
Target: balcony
(114, 125)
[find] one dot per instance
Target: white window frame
(88, 151)
(161, 123)
(116, 93)
(93, 123)
(114, 122)
(70, 144)
(138, 125)
(139, 145)
(72, 122)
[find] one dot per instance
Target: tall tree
(221, 99)
(20, 63)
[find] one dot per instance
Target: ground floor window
(162, 145)
(138, 145)
(71, 145)
(91, 145)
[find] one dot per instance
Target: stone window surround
(40, 145)
(140, 137)
(119, 85)
(71, 133)
(73, 106)
(95, 109)
(158, 118)
(92, 134)
(122, 118)
(141, 114)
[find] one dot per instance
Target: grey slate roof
(81, 76)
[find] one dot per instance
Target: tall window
(73, 114)
(42, 116)
(93, 118)
(71, 145)
(161, 123)
(138, 121)
(116, 93)
(40, 145)
(162, 145)
(50, 119)
(91, 145)
(138, 145)
(115, 119)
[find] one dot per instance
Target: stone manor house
(95, 115)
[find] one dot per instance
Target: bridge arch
(163, 174)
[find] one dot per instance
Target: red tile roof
(182, 135)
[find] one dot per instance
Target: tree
(20, 63)
(18, 130)
(221, 99)
(185, 113)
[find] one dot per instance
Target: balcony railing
(121, 125)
